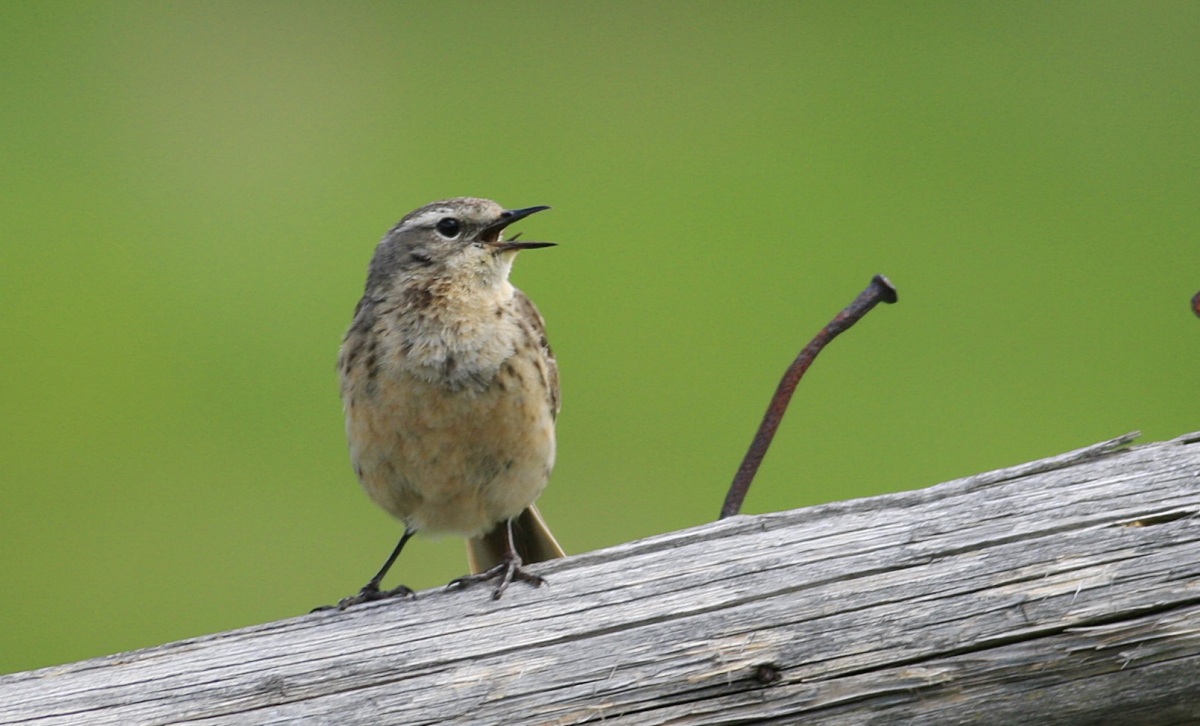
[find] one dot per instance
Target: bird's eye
(449, 227)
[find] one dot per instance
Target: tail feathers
(530, 534)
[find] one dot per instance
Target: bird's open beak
(491, 234)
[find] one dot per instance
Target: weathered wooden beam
(1060, 591)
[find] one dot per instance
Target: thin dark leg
(391, 560)
(371, 591)
(508, 570)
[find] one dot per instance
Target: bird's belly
(456, 461)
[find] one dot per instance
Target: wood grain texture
(1061, 591)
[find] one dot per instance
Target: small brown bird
(450, 391)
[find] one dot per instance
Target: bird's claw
(508, 571)
(370, 593)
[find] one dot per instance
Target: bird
(450, 392)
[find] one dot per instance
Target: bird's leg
(371, 591)
(507, 571)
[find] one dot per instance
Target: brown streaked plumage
(451, 392)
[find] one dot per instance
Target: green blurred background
(191, 193)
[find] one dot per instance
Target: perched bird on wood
(450, 391)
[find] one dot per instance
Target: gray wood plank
(1061, 591)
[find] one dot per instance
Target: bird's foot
(369, 593)
(509, 570)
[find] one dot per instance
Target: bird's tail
(530, 534)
